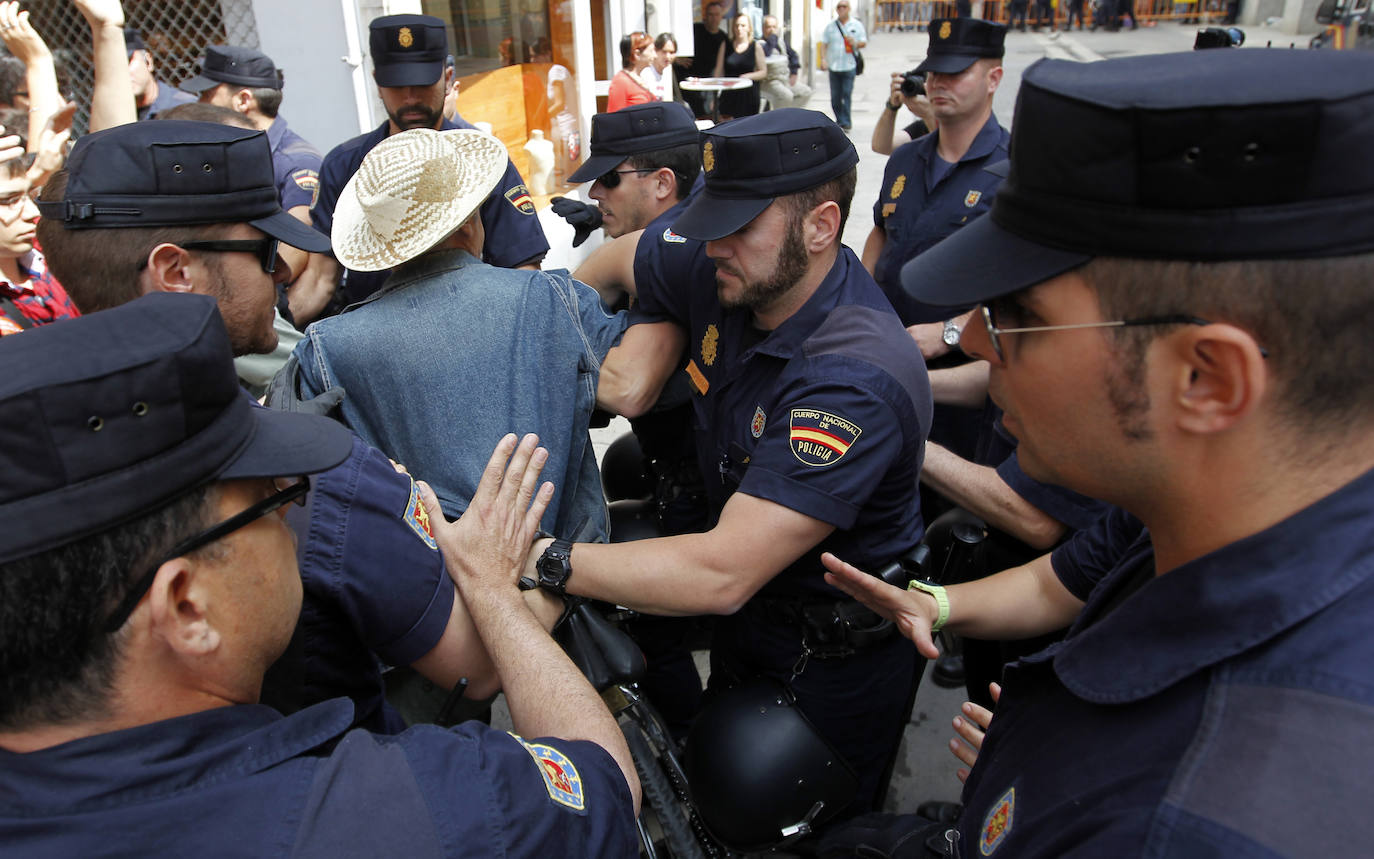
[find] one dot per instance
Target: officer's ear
(167, 269)
(244, 100)
(821, 227)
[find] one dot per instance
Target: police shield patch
(519, 197)
(972, 197)
(819, 438)
(417, 517)
(560, 776)
(997, 823)
(757, 424)
(673, 238)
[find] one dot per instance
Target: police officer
(151, 94)
(811, 404)
(936, 184)
(413, 71)
(1150, 290)
(248, 82)
(148, 579)
(376, 591)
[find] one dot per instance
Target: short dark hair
(684, 161)
(57, 661)
(198, 111)
(16, 122)
(269, 100)
(1303, 312)
(663, 39)
(840, 189)
(100, 268)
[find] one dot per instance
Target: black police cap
(631, 130)
(1133, 158)
(751, 161)
(230, 64)
(407, 50)
(957, 43)
(120, 412)
(172, 173)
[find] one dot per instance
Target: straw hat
(411, 191)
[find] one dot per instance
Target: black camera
(913, 84)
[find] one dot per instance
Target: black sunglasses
(265, 249)
(294, 493)
(611, 178)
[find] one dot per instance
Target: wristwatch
(951, 333)
(941, 599)
(894, 107)
(553, 567)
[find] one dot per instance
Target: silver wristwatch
(951, 333)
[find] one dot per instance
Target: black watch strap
(554, 567)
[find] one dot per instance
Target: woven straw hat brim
(411, 191)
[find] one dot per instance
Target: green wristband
(941, 599)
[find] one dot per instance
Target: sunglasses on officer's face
(265, 249)
(611, 178)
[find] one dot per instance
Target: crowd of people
(279, 422)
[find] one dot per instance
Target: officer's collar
(275, 132)
(165, 757)
(985, 142)
(1222, 604)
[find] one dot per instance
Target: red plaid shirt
(41, 300)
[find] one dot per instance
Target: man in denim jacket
(452, 354)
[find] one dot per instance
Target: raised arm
(40, 75)
(112, 101)
(610, 269)
(485, 551)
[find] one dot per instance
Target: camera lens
(913, 85)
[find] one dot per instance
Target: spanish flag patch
(820, 438)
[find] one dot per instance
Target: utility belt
(829, 629)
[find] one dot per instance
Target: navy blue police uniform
(375, 587)
(295, 166)
(411, 50)
(924, 199)
(1226, 706)
(825, 415)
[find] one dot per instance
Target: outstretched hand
(18, 34)
(98, 12)
(912, 611)
(485, 549)
(584, 217)
(970, 728)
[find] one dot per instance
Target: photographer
(908, 88)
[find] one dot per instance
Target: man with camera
(935, 185)
(908, 88)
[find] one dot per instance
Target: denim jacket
(451, 355)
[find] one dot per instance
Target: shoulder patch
(997, 823)
(820, 438)
(560, 776)
(417, 517)
(673, 238)
(308, 180)
(519, 197)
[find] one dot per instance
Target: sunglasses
(290, 490)
(611, 178)
(265, 249)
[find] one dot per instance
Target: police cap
(751, 161)
(631, 130)
(407, 50)
(171, 173)
(120, 412)
(229, 64)
(957, 43)
(1132, 158)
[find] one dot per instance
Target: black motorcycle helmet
(758, 768)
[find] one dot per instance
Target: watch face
(951, 336)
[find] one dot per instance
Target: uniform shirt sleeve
(332, 181)
(890, 170)
(535, 797)
(1073, 509)
(370, 548)
(667, 268)
(1095, 551)
(514, 235)
(825, 448)
(300, 188)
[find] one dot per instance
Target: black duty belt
(830, 630)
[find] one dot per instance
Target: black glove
(584, 217)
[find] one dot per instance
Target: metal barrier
(176, 34)
(912, 15)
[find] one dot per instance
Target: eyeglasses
(290, 490)
(611, 178)
(265, 249)
(995, 333)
